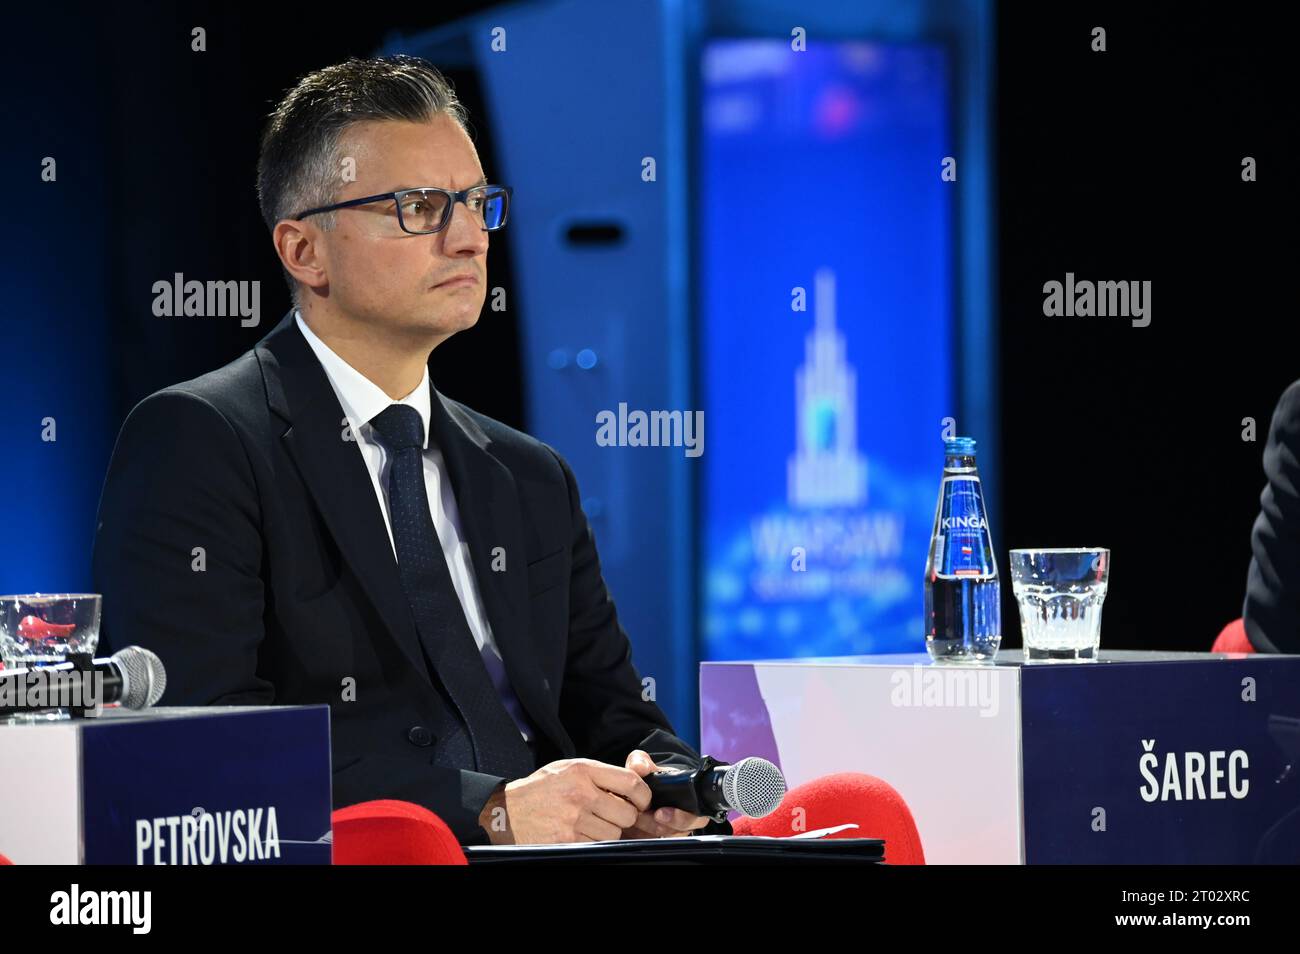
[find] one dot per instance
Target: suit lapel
(299, 391)
(488, 502)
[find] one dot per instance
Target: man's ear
(301, 252)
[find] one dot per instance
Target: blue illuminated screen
(826, 335)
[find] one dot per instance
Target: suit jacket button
(419, 735)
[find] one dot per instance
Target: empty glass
(1060, 592)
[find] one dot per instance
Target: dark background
(1127, 165)
(1123, 165)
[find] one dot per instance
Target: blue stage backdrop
(58, 422)
(827, 341)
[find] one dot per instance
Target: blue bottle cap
(959, 446)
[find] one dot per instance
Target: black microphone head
(753, 787)
(143, 677)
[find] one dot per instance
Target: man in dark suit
(316, 523)
(1272, 608)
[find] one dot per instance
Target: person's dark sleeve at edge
(1272, 608)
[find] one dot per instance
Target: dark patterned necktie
(497, 746)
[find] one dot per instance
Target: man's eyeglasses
(421, 211)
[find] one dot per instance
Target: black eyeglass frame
(397, 197)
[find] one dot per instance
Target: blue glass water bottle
(963, 600)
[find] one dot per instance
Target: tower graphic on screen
(826, 469)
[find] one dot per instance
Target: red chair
(1233, 639)
(391, 832)
(831, 800)
(4, 860)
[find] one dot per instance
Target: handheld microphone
(753, 787)
(133, 676)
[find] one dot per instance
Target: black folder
(689, 850)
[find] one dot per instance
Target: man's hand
(564, 801)
(664, 823)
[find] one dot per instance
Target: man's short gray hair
(299, 166)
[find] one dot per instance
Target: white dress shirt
(362, 399)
